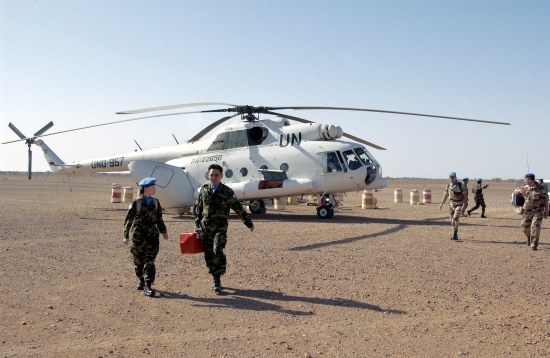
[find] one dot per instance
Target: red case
(190, 244)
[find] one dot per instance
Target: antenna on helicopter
(30, 140)
(138, 145)
(175, 138)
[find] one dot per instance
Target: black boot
(216, 284)
(148, 291)
(455, 236)
(469, 212)
(140, 285)
(483, 215)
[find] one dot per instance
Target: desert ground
(384, 282)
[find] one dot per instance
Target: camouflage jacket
(456, 193)
(535, 197)
(478, 191)
(217, 205)
(148, 222)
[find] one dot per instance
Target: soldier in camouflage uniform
(215, 200)
(541, 182)
(534, 209)
(465, 184)
(478, 197)
(145, 214)
(458, 198)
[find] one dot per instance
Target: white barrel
(398, 195)
(292, 200)
(415, 197)
(366, 199)
(116, 193)
(427, 196)
(128, 194)
(279, 203)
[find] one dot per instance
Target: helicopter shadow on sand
(246, 299)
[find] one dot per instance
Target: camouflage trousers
(531, 225)
(455, 211)
(145, 250)
(213, 239)
(479, 202)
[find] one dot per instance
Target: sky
(77, 63)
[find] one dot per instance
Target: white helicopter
(267, 158)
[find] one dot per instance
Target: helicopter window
(206, 176)
(284, 167)
(244, 172)
(332, 163)
(352, 160)
(364, 156)
(264, 167)
(228, 173)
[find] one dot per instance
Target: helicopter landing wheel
(195, 210)
(325, 211)
(257, 207)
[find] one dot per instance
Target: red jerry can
(190, 243)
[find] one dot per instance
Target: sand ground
(367, 283)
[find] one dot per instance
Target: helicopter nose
(372, 173)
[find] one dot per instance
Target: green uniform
(213, 211)
(147, 224)
(533, 211)
(478, 197)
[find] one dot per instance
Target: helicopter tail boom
(55, 163)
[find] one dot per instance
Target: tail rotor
(30, 140)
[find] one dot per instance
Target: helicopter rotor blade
(98, 125)
(175, 106)
(390, 112)
(30, 161)
(210, 127)
(45, 128)
(357, 139)
(19, 134)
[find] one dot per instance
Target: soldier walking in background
(458, 198)
(534, 209)
(465, 183)
(144, 219)
(477, 190)
(541, 182)
(215, 200)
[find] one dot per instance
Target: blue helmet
(530, 176)
(145, 182)
(479, 180)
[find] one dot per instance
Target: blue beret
(466, 178)
(529, 175)
(147, 182)
(452, 174)
(479, 180)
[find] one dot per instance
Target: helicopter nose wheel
(257, 207)
(325, 211)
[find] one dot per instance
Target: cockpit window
(332, 163)
(364, 156)
(352, 160)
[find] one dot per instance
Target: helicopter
(262, 158)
